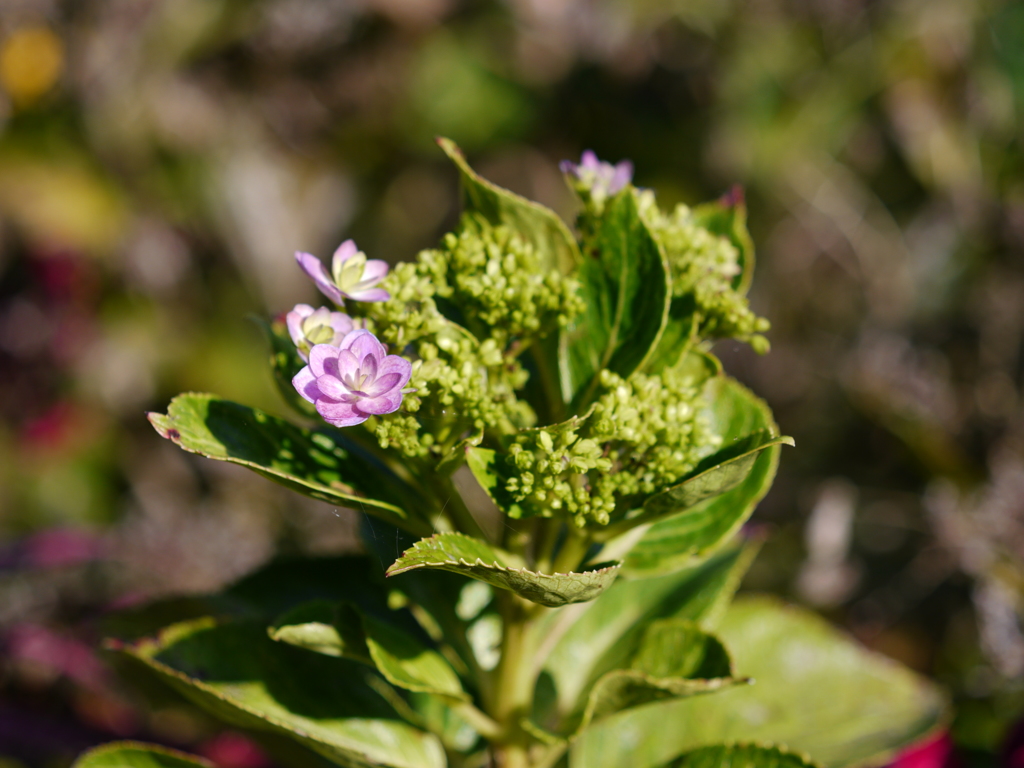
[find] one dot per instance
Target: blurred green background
(160, 160)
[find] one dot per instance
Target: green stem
(574, 549)
(512, 691)
(546, 541)
(551, 756)
(481, 722)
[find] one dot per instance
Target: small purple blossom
(309, 327)
(599, 178)
(352, 275)
(353, 381)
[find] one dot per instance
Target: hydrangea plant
(554, 473)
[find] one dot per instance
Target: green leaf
(718, 473)
(727, 217)
(546, 232)
(238, 674)
(675, 659)
(284, 364)
(742, 756)
(407, 663)
(626, 290)
(324, 627)
(607, 633)
(539, 226)
(345, 632)
(696, 527)
(265, 594)
(444, 720)
(433, 594)
(133, 754)
(492, 472)
(679, 334)
(816, 691)
(321, 464)
(474, 558)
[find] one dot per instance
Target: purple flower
(309, 327)
(352, 275)
(599, 178)
(353, 381)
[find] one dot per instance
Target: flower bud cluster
(550, 472)
(465, 382)
(643, 434)
(704, 265)
(461, 386)
(497, 281)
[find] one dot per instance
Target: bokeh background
(160, 160)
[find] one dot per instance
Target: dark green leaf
(815, 690)
(625, 285)
(742, 756)
(321, 464)
(695, 529)
(607, 633)
(324, 627)
(265, 594)
(675, 659)
(133, 754)
(474, 558)
(235, 672)
(539, 226)
(284, 364)
(678, 336)
(727, 217)
(433, 594)
(440, 718)
(344, 632)
(409, 664)
(718, 473)
(492, 472)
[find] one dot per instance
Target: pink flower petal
(342, 324)
(345, 365)
(321, 356)
(382, 385)
(313, 267)
(294, 321)
(396, 364)
(370, 294)
(305, 384)
(374, 271)
(340, 414)
(335, 389)
(344, 252)
(362, 343)
(388, 403)
(368, 366)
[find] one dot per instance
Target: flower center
(319, 334)
(357, 380)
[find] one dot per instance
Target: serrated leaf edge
(114, 746)
(135, 650)
(758, 745)
(496, 566)
(168, 432)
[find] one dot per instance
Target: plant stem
(546, 540)
(480, 721)
(512, 690)
(573, 550)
